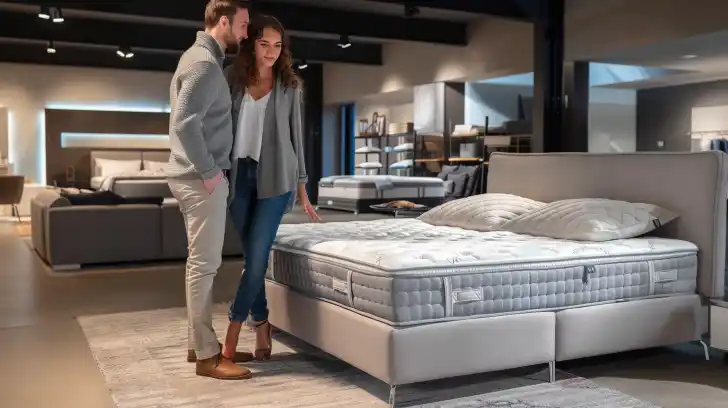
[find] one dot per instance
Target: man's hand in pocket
(213, 182)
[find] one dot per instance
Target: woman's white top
(249, 135)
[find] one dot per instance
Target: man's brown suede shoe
(240, 357)
(221, 368)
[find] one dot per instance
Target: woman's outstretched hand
(311, 212)
(306, 204)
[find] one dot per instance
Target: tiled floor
(45, 361)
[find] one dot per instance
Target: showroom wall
(500, 47)
(499, 102)
(612, 111)
(665, 115)
(26, 90)
(612, 120)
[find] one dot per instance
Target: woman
(268, 169)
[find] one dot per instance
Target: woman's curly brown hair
(246, 70)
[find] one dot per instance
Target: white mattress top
(402, 245)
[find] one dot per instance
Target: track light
(125, 52)
(56, 15)
(411, 11)
(344, 41)
(303, 65)
(44, 13)
(51, 48)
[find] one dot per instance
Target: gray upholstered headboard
(112, 155)
(156, 155)
(695, 185)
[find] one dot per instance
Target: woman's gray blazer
(281, 166)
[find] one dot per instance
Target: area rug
(142, 357)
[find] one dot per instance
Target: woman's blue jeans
(256, 221)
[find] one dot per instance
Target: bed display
(407, 301)
(130, 178)
(406, 272)
(358, 193)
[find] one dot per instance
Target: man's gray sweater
(200, 122)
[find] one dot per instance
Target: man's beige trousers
(205, 216)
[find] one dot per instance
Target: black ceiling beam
(29, 54)
(29, 26)
(523, 10)
(298, 18)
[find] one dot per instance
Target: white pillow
(590, 219)
(370, 165)
(368, 149)
(110, 167)
(483, 212)
(155, 166)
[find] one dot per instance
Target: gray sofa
(70, 236)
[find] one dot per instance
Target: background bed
(358, 193)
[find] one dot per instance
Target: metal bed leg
(552, 371)
(706, 350)
(392, 395)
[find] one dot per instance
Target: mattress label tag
(467, 295)
(666, 276)
(588, 270)
(340, 286)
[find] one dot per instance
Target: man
(201, 138)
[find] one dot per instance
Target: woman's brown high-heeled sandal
(265, 353)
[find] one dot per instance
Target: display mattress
(376, 187)
(406, 272)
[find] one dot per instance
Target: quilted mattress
(376, 186)
(406, 272)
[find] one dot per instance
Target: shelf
(369, 136)
(435, 160)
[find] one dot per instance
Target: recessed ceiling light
(56, 15)
(344, 41)
(125, 52)
(44, 13)
(689, 56)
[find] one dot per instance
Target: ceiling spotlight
(51, 48)
(125, 52)
(44, 13)
(303, 65)
(689, 56)
(344, 41)
(411, 11)
(56, 15)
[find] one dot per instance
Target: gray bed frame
(691, 184)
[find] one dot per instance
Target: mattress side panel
(399, 299)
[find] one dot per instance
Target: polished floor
(45, 360)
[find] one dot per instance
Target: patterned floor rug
(142, 357)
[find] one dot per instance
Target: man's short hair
(217, 9)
